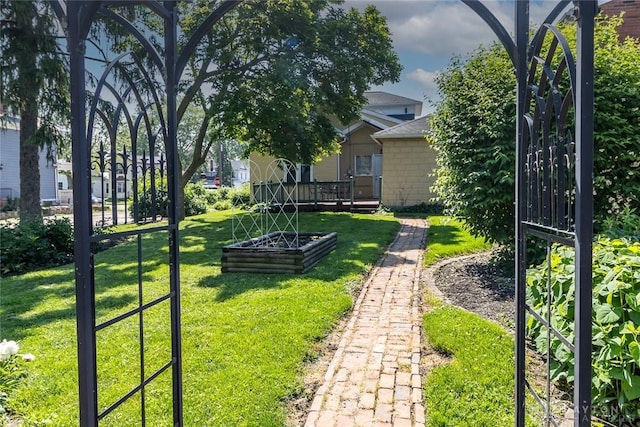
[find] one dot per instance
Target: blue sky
(427, 33)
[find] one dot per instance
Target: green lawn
(448, 238)
(476, 386)
(245, 337)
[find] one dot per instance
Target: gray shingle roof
(412, 129)
(387, 99)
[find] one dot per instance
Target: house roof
(415, 128)
(239, 164)
(364, 120)
(376, 99)
(371, 114)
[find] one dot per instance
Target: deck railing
(314, 192)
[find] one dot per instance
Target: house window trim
(357, 172)
(298, 172)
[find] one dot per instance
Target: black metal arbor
(553, 185)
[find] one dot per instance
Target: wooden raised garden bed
(277, 253)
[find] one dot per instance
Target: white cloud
(428, 32)
(426, 79)
(447, 27)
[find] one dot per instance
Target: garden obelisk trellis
(554, 172)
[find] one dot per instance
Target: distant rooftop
(411, 129)
(375, 99)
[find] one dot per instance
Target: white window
(120, 186)
(363, 165)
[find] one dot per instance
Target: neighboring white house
(65, 192)
(100, 187)
(241, 173)
(10, 166)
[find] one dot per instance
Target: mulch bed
(475, 284)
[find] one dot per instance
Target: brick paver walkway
(374, 377)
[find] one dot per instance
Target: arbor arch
(540, 193)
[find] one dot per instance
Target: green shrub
(146, 200)
(616, 323)
(59, 232)
(195, 201)
(11, 204)
(625, 226)
(240, 196)
(223, 193)
(227, 197)
(33, 244)
(196, 189)
(473, 126)
(212, 196)
(222, 205)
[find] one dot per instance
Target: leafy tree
(34, 84)
(271, 73)
(473, 132)
(221, 151)
(617, 122)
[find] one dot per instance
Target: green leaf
(616, 373)
(632, 301)
(629, 328)
(606, 314)
(563, 354)
(631, 389)
(634, 350)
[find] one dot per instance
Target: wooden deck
(335, 196)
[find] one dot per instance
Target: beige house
(409, 164)
(361, 154)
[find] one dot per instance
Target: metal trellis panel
(118, 164)
(554, 191)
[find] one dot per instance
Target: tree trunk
(29, 165)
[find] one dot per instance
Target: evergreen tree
(34, 85)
